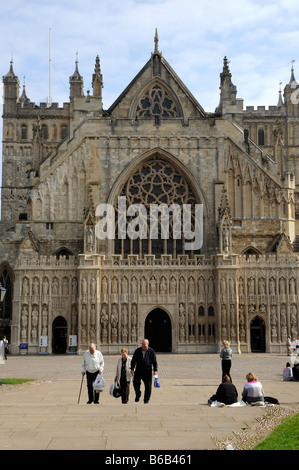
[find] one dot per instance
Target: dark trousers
(147, 380)
(93, 395)
(125, 390)
(226, 365)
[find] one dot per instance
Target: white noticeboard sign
(43, 341)
(72, 340)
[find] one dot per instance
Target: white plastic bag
(99, 383)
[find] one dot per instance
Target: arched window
(251, 252)
(261, 137)
(63, 132)
(63, 252)
(45, 131)
(163, 193)
(24, 132)
(201, 311)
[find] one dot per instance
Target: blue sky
(260, 39)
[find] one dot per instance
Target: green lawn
(284, 437)
(15, 381)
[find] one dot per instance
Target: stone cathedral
(155, 145)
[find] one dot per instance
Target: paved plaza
(45, 415)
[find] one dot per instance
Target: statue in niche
(282, 287)
(134, 322)
(24, 324)
(65, 286)
(283, 322)
(163, 286)
(55, 286)
(272, 286)
(191, 319)
(89, 239)
(241, 286)
(293, 321)
(251, 286)
(35, 286)
(93, 286)
(44, 320)
(45, 287)
(134, 286)
(104, 286)
(114, 286)
(191, 286)
(182, 286)
(74, 319)
(34, 322)
(153, 286)
(143, 286)
(83, 316)
(172, 286)
(114, 322)
(182, 322)
(124, 286)
(104, 323)
(292, 286)
(25, 287)
(262, 286)
(225, 239)
(273, 319)
(74, 286)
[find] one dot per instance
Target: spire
(225, 71)
(292, 79)
(23, 98)
(76, 82)
(76, 75)
(97, 79)
(10, 76)
(156, 40)
(280, 100)
(11, 87)
(228, 91)
(292, 83)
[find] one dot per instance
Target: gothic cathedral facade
(66, 286)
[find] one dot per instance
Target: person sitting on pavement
(226, 392)
(253, 391)
(296, 370)
(287, 373)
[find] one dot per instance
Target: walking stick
(80, 389)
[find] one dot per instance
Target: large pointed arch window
(156, 183)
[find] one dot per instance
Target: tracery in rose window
(156, 103)
(155, 182)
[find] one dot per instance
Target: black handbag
(116, 391)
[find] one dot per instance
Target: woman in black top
(226, 392)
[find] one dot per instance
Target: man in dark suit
(143, 362)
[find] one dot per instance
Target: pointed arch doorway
(257, 335)
(59, 335)
(157, 329)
